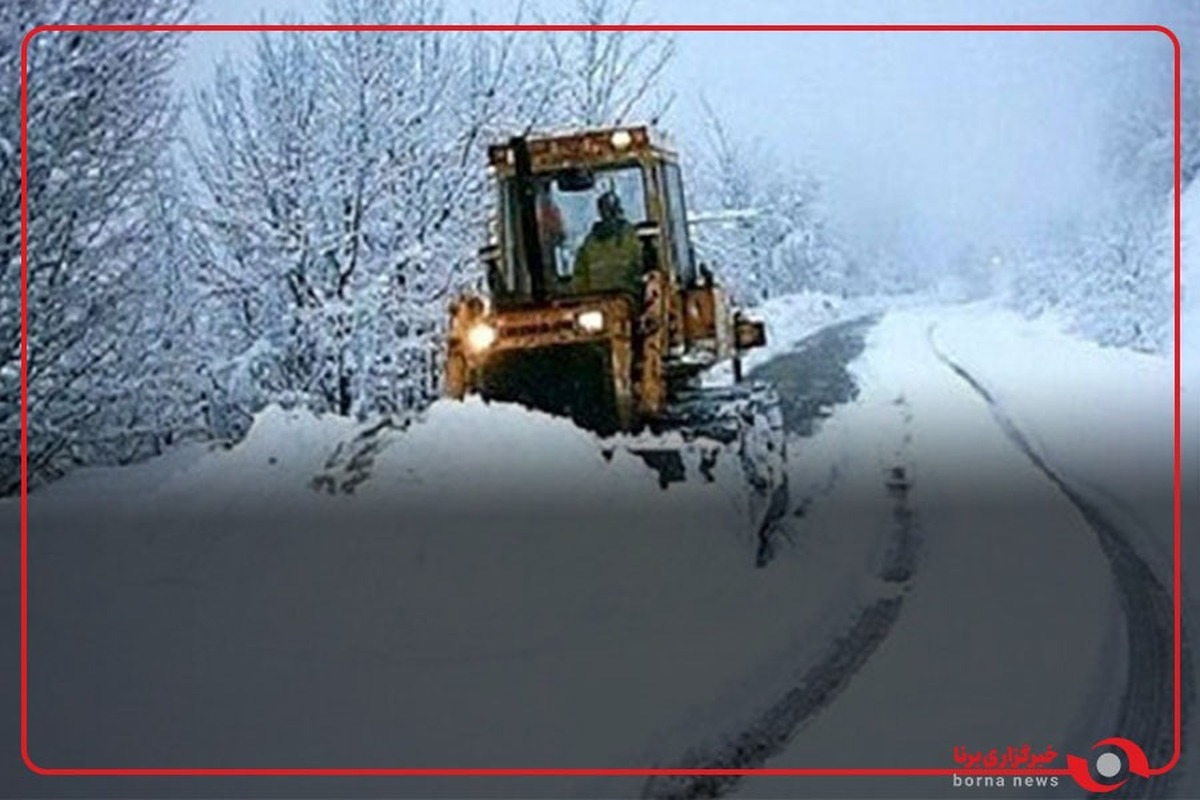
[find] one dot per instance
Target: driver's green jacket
(608, 263)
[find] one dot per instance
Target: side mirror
(748, 333)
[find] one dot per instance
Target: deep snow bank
(495, 591)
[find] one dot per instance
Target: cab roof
(591, 147)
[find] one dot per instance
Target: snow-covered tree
(607, 77)
(1108, 277)
(1108, 272)
(767, 232)
(262, 166)
(1123, 296)
(100, 121)
(346, 200)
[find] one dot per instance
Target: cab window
(676, 210)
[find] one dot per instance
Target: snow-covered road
(1008, 623)
(1145, 714)
(1016, 629)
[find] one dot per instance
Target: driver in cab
(610, 257)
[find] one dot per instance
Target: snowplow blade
(568, 380)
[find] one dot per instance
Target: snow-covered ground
(495, 592)
(494, 587)
(1104, 416)
(1010, 620)
(1103, 419)
(1015, 596)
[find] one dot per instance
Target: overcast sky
(926, 143)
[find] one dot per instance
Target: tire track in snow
(1146, 715)
(770, 732)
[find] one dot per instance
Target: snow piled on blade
(494, 453)
(469, 458)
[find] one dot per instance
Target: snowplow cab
(595, 306)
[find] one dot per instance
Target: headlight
(621, 139)
(480, 337)
(590, 321)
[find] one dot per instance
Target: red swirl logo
(1109, 765)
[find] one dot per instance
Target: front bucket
(573, 380)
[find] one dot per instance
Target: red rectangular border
(467, 772)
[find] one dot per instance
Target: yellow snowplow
(596, 307)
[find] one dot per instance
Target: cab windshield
(586, 226)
